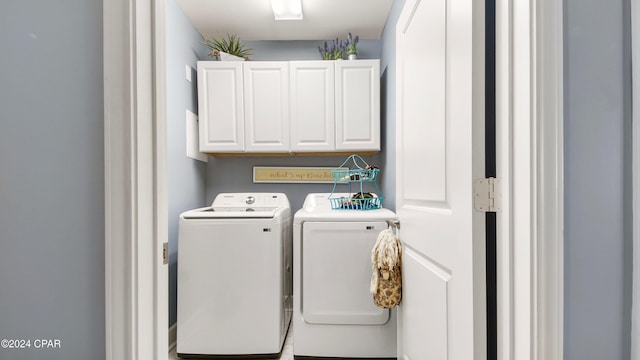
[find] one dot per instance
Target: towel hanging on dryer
(386, 278)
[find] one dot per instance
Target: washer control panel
(245, 201)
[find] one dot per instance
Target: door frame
(529, 140)
(529, 93)
(529, 123)
(136, 212)
(635, 85)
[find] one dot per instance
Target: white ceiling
(323, 19)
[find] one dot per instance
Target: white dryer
(333, 310)
(235, 276)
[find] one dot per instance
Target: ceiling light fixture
(287, 9)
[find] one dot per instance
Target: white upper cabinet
(312, 106)
(221, 106)
(357, 105)
(289, 106)
(266, 106)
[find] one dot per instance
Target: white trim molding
(504, 150)
(136, 313)
(529, 92)
(635, 61)
(549, 249)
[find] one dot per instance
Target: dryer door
(336, 273)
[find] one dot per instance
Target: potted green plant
(227, 48)
(352, 47)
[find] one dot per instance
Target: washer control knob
(250, 200)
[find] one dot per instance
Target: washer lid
(317, 207)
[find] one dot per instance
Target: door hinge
(487, 195)
(165, 253)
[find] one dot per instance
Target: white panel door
(220, 106)
(440, 151)
(266, 106)
(358, 105)
(312, 105)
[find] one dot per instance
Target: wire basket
(357, 174)
(343, 176)
(351, 203)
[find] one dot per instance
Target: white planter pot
(228, 57)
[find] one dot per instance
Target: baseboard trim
(173, 335)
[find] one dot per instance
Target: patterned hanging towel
(386, 280)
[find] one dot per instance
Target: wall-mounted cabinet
(266, 106)
(357, 94)
(312, 105)
(289, 107)
(220, 106)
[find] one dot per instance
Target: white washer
(235, 277)
(333, 310)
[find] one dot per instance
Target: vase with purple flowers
(352, 46)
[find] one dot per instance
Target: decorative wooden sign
(270, 174)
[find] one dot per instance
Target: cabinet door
(220, 106)
(312, 105)
(358, 105)
(266, 111)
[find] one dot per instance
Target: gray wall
(229, 174)
(597, 188)
(305, 50)
(186, 177)
(234, 174)
(388, 110)
(51, 182)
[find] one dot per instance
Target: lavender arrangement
(326, 52)
(338, 49)
(352, 45)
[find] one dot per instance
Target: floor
(287, 350)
